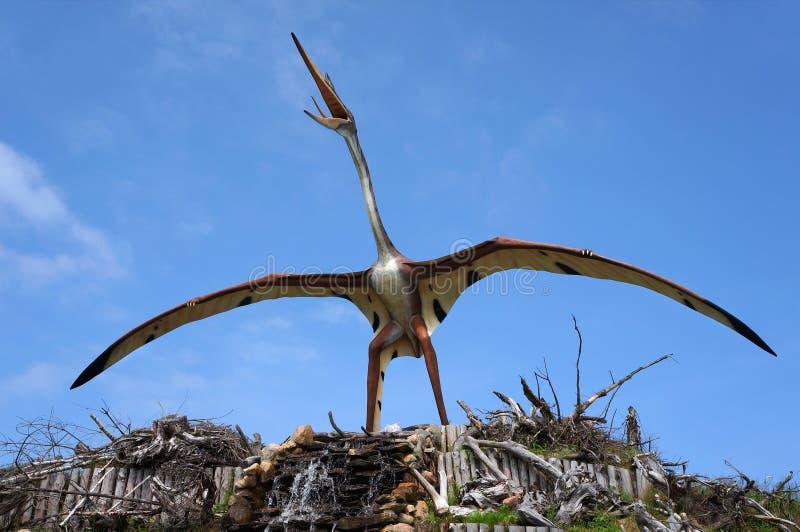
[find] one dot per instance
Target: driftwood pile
(176, 451)
(573, 495)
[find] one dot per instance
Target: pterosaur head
(341, 119)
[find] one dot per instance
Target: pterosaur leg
(388, 335)
(421, 332)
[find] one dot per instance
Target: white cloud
(25, 192)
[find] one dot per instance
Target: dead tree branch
(581, 408)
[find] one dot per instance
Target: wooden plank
(522, 467)
(503, 463)
(448, 468)
(533, 477)
(601, 475)
(144, 492)
(464, 461)
(499, 528)
(483, 527)
(457, 469)
(72, 483)
(643, 485)
(42, 498)
(59, 483)
(625, 482)
(134, 477)
(613, 481)
(122, 481)
(218, 483)
(473, 465)
(27, 511)
(516, 528)
(107, 487)
(443, 434)
(227, 476)
(137, 479)
(472, 527)
(94, 487)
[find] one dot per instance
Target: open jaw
(339, 113)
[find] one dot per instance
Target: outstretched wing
(441, 281)
(351, 286)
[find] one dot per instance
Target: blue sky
(152, 152)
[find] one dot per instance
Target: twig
(578, 363)
(243, 436)
(749, 482)
(102, 428)
(515, 408)
(580, 409)
(473, 419)
(539, 403)
(546, 377)
(334, 425)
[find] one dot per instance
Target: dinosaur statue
(405, 300)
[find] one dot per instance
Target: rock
(385, 498)
(267, 472)
(239, 509)
(409, 508)
(250, 460)
(409, 459)
(249, 481)
(394, 506)
(512, 502)
(430, 477)
(361, 522)
(252, 470)
(286, 448)
(398, 527)
(302, 435)
(405, 519)
(413, 439)
(269, 453)
(421, 511)
(406, 491)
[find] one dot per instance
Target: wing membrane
(444, 279)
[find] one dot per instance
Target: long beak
(339, 113)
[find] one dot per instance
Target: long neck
(386, 249)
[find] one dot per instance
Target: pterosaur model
(404, 300)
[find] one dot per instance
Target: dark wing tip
(92, 370)
(740, 327)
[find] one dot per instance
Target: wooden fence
(461, 467)
(111, 490)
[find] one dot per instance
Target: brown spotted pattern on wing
(443, 280)
(346, 285)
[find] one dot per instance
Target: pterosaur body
(404, 300)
